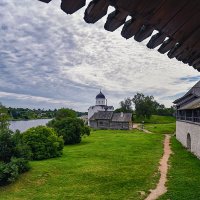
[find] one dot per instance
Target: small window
(100, 123)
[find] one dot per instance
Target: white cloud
(62, 60)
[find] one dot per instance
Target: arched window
(188, 142)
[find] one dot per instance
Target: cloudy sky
(49, 60)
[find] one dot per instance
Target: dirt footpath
(138, 126)
(161, 188)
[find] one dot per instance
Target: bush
(11, 145)
(6, 145)
(21, 150)
(71, 129)
(22, 164)
(43, 142)
(8, 173)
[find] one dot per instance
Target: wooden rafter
(177, 23)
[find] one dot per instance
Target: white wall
(100, 101)
(182, 130)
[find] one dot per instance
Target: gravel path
(161, 188)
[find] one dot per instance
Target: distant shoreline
(16, 120)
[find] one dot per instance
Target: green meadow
(156, 119)
(106, 165)
(111, 165)
(168, 128)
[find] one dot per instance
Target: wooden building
(177, 23)
(100, 105)
(111, 120)
(188, 119)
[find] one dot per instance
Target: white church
(101, 105)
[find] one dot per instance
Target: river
(26, 124)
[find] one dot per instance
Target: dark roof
(192, 94)
(102, 115)
(110, 115)
(176, 22)
(195, 90)
(122, 117)
(100, 96)
(103, 106)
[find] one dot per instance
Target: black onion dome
(100, 96)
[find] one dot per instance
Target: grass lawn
(106, 165)
(184, 175)
(161, 128)
(156, 119)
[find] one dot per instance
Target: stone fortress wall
(188, 133)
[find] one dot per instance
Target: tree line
(27, 113)
(144, 106)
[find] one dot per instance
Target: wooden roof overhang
(177, 23)
(191, 105)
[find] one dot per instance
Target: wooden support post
(185, 115)
(192, 115)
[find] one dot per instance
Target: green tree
(65, 113)
(71, 129)
(3, 117)
(125, 106)
(6, 145)
(144, 105)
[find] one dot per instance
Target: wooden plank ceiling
(177, 23)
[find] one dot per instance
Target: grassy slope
(156, 119)
(161, 128)
(104, 166)
(184, 175)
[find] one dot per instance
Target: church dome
(100, 96)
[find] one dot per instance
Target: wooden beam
(166, 12)
(144, 32)
(167, 45)
(176, 19)
(115, 20)
(156, 40)
(186, 45)
(96, 10)
(131, 27)
(69, 6)
(181, 17)
(45, 1)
